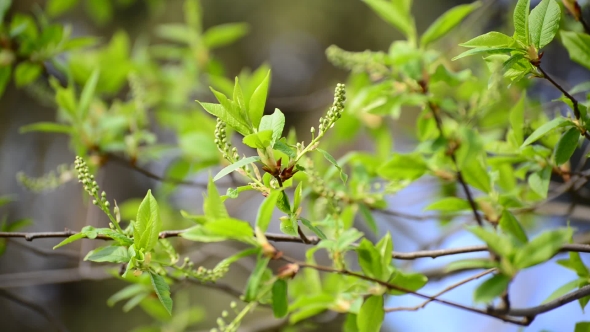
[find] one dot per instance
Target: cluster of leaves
(487, 143)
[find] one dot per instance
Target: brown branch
(35, 307)
(449, 288)
(523, 322)
(561, 301)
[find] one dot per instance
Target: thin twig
(35, 307)
(524, 322)
(449, 288)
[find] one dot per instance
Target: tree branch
(531, 312)
(449, 288)
(523, 322)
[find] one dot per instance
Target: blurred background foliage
(132, 35)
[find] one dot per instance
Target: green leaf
(99, 10)
(274, 122)
(297, 197)
(113, 254)
(280, 304)
(544, 129)
(5, 199)
(480, 50)
(228, 169)
(224, 34)
(521, 21)
(544, 23)
(213, 206)
(517, 120)
(539, 181)
(577, 45)
(490, 39)
(162, 290)
(498, 244)
(26, 72)
(542, 248)
(252, 286)
(447, 22)
(369, 259)
(57, 7)
(511, 226)
(385, 247)
(491, 288)
(582, 327)
(564, 289)
(313, 228)
(403, 167)
(369, 219)
(469, 264)
(575, 264)
(566, 146)
(70, 239)
(226, 116)
(126, 293)
(4, 75)
(371, 315)
(394, 13)
(449, 204)
(232, 229)
(46, 127)
(88, 93)
(147, 224)
(258, 101)
(328, 156)
(407, 280)
(4, 6)
(200, 234)
(260, 140)
(266, 209)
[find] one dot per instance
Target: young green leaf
(370, 259)
(542, 248)
(582, 327)
(539, 181)
(544, 129)
(575, 264)
(113, 254)
(491, 288)
(228, 169)
(481, 50)
(510, 225)
(313, 228)
(521, 21)
(566, 146)
(490, 39)
(232, 229)
(88, 94)
(298, 196)
(498, 244)
(148, 224)
(57, 7)
(447, 22)
(26, 72)
(371, 315)
(577, 45)
(253, 284)
(403, 167)
(258, 101)
(544, 23)
(328, 156)
(162, 290)
(564, 289)
(260, 140)
(280, 304)
(394, 13)
(274, 122)
(517, 120)
(449, 204)
(226, 116)
(70, 239)
(407, 280)
(200, 234)
(46, 127)
(213, 205)
(224, 34)
(470, 264)
(265, 210)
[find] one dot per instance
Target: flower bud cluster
(222, 142)
(49, 181)
(374, 63)
(208, 275)
(335, 112)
